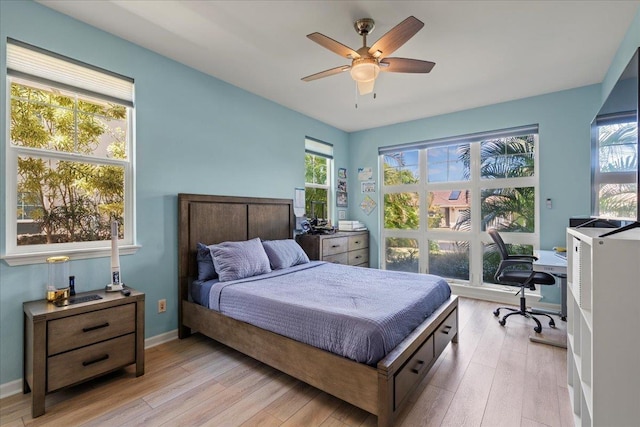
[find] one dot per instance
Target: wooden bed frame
(380, 390)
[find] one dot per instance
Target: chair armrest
(523, 258)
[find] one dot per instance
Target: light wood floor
(494, 376)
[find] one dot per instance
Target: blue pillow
(206, 270)
(284, 253)
(237, 260)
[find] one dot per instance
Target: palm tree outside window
(464, 186)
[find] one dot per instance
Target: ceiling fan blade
(333, 46)
(405, 65)
(327, 73)
(396, 37)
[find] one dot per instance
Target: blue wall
(194, 134)
(197, 134)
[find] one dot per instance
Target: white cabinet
(603, 326)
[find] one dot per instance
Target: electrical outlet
(162, 305)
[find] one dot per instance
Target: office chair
(523, 278)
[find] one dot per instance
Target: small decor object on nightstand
(57, 287)
(116, 280)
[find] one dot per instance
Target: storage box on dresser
(603, 321)
(342, 247)
(68, 345)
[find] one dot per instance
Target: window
(439, 198)
(317, 160)
(69, 156)
(615, 165)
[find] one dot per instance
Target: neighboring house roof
(451, 198)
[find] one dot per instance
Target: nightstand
(67, 345)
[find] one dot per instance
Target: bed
(381, 388)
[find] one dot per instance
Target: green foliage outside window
(617, 153)
(71, 200)
(508, 209)
(316, 168)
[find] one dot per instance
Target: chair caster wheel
(496, 313)
(538, 329)
(563, 318)
(552, 324)
(502, 322)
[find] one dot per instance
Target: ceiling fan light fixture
(365, 69)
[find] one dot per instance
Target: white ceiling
(486, 52)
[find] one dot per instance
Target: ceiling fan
(367, 62)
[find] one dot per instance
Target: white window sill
(74, 254)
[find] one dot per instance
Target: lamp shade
(365, 87)
(364, 69)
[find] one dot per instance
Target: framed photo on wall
(341, 199)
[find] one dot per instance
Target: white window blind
(26, 61)
(469, 138)
(319, 148)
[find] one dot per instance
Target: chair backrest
(504, 253)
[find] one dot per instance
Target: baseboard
(15, 387)
(161, 339)
(10, 388)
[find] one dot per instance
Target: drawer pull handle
(419, 365)
(93, 328)
(357, 242)
(335, 246)
(446, 329)
(99, 359)
(359, 256)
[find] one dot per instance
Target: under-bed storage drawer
(409, 375)
(445, 331)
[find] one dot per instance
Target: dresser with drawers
(342, 247)
(71, 344)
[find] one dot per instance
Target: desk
(556, 265)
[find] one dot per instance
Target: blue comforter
(359, 313)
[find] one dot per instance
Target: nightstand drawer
(360, 241)
(342, 258)
(334, 246)
(84, 329)
(361, 256)
(87, 362)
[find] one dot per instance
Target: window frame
(15, 254)
(317, 148)
(476, 237)
(601, 178)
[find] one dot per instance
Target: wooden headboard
(215, 219)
